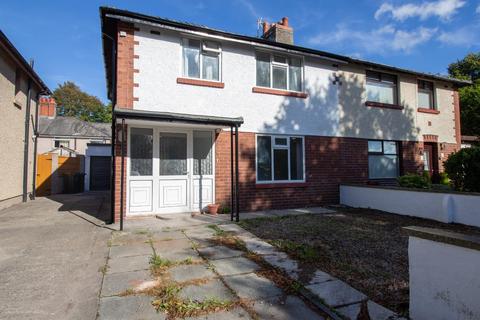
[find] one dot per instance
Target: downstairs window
(280, 159)
(383, 160)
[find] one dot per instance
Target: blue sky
(63, 37)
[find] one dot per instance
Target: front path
(195, 269)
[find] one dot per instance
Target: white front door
(174, 172)
(170, 170)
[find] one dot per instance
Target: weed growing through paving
(218, 232)
(301, 251)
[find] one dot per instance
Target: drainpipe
(26, 140)
(35, 142)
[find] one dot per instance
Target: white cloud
(387, 38)
(467, 36)
(444, 9)
(478, 9)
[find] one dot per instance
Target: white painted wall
(92, 151)
(444, 207)
(444, 281)
(330, 110)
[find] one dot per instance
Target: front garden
(365, 248)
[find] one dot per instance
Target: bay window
(280, 159)
(201, 59)
(425, 95)
(383, 160)
(279, 72)
(381, 87)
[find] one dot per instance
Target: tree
(469, 69)
(73, 102)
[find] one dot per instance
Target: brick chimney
(278, 32)
(47, 107)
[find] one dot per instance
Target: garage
(99, 173)
(98, 166)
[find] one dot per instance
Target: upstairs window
(425, 95)
(201, 59)
(381, 87)
(383, 160)
(279, 72)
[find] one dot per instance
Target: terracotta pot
(213, 208)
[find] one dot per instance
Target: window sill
(202, 83)
(281, 185)
(383, 105)
(426, 110)
(280, 92)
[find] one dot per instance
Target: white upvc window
(202, 59)
(280, 159)
(279, 72)
(59, 143)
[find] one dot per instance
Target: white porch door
(174, 172)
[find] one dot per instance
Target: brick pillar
(118, 168)
(456, 110)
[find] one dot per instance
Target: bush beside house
(463, 168)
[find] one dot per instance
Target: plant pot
(213, 208)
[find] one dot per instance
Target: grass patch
(218, 232)
(299, 251)
(142, 231)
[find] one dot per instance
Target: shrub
(414, 181)
(463, 168)
(444, 180)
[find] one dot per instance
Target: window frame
(273, 147)
(203, 50)
(55, 140)
(396, 89)
(434, 97)
(382, 153)
(282, 65)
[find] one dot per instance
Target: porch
(165, 163)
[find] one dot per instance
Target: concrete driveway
(51, 254)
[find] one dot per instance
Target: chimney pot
(285, 21)
(266, 26)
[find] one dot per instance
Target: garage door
(99, 173)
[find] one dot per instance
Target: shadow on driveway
(51, 253)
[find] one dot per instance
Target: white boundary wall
(444, 281)
(440, 206)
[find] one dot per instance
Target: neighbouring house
(20, 89)
(68, 137)
(307, 120)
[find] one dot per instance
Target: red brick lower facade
(329, 161)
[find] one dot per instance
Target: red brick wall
(124, 99)
(456, 110)
(328, 162)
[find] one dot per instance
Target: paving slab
(336, 293)
(212, 289)
(200, 231)
(128, 308)
(288, 308)
(320, 276)
(234, 229)
(179, 255)
(200, 242)
(219, 252)
(125, 264)
(376, 311)
(132, 249)
(172, 245)
(257, 245)
(252, 287)
(117, 283)
(191, 272)
(167, 235)
(282, 261)
(232, 266)
(122, 237)
(235, 314)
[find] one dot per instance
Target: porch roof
(177, 117)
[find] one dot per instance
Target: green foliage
(444, 180)
(414, 181)
(463, 168)
(469, 69)
(301, 251)
(73, 102)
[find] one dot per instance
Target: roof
(20, 60)
(177, 117)
(69, 126)
(108, 15)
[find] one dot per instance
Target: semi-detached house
(307, 120)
